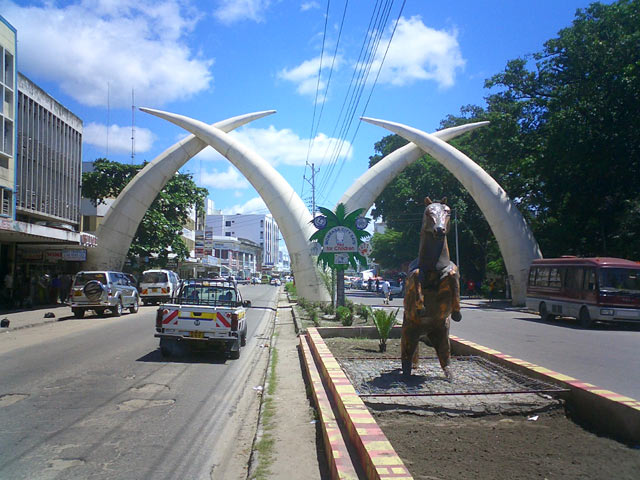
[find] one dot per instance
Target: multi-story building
(8, 80)
(260, 229)
(40, 158)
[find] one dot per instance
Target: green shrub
(345, 316)
(384, 321)
(290, 288)
(364, 311)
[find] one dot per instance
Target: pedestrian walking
(386, 288)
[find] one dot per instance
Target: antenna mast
(133, 130)
(108, 120)
(313, 188)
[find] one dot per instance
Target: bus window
(554, 278)
(542, 277)
(590, 279)
(574, 278)
(532, 276)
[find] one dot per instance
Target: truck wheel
(78, 312)
(166, 347)
(235, 354)
(243, 339)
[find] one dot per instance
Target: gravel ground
(522, 436)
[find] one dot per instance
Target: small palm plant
(384, 321)
(345, 315)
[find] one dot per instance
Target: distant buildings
(260, 229)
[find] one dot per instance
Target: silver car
(103, 290)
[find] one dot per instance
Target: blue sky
(216, 59)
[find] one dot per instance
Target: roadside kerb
(336, 450)
(378, 458)
(608, 412)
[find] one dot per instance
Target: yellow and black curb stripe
(376, 455)
(609, 412)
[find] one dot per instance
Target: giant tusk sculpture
(365, 190)
(119, 225)
(283, 202)
(516, 242)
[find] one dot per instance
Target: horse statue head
(435, 220)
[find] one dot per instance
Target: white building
(260, 229)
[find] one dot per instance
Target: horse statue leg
(439, 339)
(413, 302)
(456, 315)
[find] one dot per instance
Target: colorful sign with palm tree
(340, 237)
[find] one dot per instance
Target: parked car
(103, 290)
(158, 286)
(275, 281)
(397, 288)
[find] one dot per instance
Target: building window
(227, 234)
(227, 223)
(6, 202)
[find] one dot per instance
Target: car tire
(93, 290)
(135, 305)
(116, 311)
(78, 312)
(243, 339)
(585, 318)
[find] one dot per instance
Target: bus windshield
(620, 279)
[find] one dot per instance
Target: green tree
(161, 227)
(586, 91)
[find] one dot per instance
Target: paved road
(606, 356)
(96, 399)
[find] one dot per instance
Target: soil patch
(438, 442)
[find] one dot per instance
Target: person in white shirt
(386, 288)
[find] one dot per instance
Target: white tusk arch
(516, 241)
(119, 225)
(283, 202)
(364, 191)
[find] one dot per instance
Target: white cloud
(231, 11)
(309, 5)
(128, 44)
(305, 75)
(223, 180)
(418, 52)
(281, 147)
(254, 206)
(119, 138)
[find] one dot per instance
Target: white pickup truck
(206, 313)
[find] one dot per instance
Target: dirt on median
(441, 443)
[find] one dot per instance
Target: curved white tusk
(121, 221)
(364, 191)
(516, 241)
(283, 202)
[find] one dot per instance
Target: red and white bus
(588, 289)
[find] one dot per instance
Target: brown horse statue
(432, 291)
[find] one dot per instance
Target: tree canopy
(160, 231)
(564, 143)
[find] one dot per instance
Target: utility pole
(312, 182)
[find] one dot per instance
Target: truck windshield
(620, 279)
(154, 277)
(208, 294)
